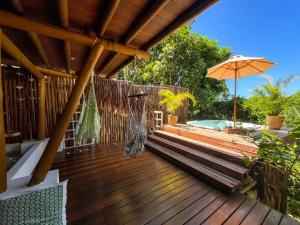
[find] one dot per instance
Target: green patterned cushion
(45, 206)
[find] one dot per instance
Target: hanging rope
(136, 134)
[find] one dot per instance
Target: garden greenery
(270, 99)
(284, 154)
(174, 101)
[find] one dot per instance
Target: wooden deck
(230, 142)
(106, 188)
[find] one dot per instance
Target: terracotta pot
(274, 122)
(172, 120)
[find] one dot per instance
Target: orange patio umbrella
(238, 67)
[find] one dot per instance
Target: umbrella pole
(235, 102)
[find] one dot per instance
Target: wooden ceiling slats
(124, 24)
(142, 20)
(169, 13)
(191, 12)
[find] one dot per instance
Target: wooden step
(223, 166)
(213, 177)
(203, 147)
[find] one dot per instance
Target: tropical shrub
(174, 101)
(270, 98)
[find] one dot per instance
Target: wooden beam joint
(18, 22)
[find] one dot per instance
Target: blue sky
(267, 28)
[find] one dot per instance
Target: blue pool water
(209, 124)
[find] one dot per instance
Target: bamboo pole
(10, 48)
(64, 18)
(41, 109)
(21, 23)
(67, 48)
(113, 5)
(36, 41)
(50, 151)
(55, 73)
(3, 180)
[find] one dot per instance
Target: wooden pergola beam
(21, 23)
(55, 73)
(64, 18)
(3, 178)
(44, 71)
(33, 36)
(48, 156)
(140, 23)
(187, 15)
(108, 14)
(63, 12)
(10, 48)
(37, 43)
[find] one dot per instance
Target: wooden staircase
(217, 168)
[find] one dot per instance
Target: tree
(183, 59)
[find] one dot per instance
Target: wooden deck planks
(107, 188)
(274, 217)
(239, 215)
(256, 215)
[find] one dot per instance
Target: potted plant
(271, 101)
(173, 102)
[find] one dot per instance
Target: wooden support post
(10, 48)
(3, 180)
(41, 109)
(48, 156)
(21, 23)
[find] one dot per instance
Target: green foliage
(223, 109)
(292, 112)
(270, 99)
(183, 59)
(174, 101)
(284, 155)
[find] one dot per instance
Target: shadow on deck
(107, 188)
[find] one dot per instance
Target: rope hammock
(89, 120)
(136, 134)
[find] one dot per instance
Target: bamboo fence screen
(20, 104)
